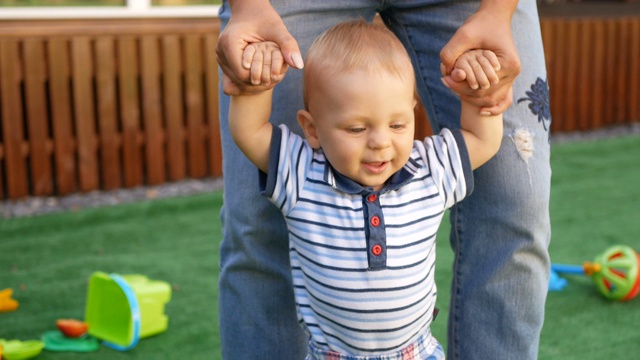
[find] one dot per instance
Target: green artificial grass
(595, 203)
(47, 260)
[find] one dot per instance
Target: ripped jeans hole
(523, 140)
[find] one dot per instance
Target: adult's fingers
(501, 106)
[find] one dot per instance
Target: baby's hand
(478, 67)
(265, 61)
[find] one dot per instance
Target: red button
(375, 220)
(372, 197)
(376, 250)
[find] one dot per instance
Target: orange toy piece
(72, 328)
(6, 302)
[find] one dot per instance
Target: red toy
(72, 328)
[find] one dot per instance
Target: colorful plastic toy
(6, 302)
(121, 309)
(55, 340)
(20, 350)
(616, 272)
(72, 328)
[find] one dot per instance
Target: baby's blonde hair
(355, 46)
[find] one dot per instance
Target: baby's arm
(249, 114)
(482, 132)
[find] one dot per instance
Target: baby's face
(365, 124)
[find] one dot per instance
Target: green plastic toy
(122, 309)
(20, 350)
(618, 276)
(615, 271)
(54, 340)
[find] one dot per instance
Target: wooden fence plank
(12, 119)
(585, 80)
(64, 144)
(212, 92)
(38, 126)
(151, 103)
(633, 98)
(598, 72)
(2, 156)
(622, 62)
(558, 82)
(194, 105)
(610, 78)
(422, 126)
(172, 68)
(130, 110)
(546, 29)
(107, 106)
(571, 78)
(84, 111)
(2, 166)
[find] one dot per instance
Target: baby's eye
(355, 130)
(397, 126)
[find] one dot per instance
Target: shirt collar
(342, 183)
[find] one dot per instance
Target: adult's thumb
(290, 50)
(450, 53)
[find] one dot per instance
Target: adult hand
(253, 21)
(489, 28)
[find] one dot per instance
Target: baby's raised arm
(478, 67)
(482, 132)
(249, 114)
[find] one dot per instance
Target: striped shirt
(363, 261)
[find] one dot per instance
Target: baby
(362, 200)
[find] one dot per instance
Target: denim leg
(500, 234)
(256, 304)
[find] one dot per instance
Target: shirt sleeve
(448, 160)
(289, 158)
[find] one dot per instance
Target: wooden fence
(105, 104)
(593, 66)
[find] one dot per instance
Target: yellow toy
(20, 350)
(6, 302)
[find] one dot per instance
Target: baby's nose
(379, 140)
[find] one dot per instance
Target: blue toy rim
(135, 314)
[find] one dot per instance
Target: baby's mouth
(375, 167)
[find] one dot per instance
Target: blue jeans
(500, 234)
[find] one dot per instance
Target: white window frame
(132, 9)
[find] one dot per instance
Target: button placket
(376, 235)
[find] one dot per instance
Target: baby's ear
(307, 122)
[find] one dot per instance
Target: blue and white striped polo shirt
(363, 261)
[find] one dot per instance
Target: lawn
(48, 259)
